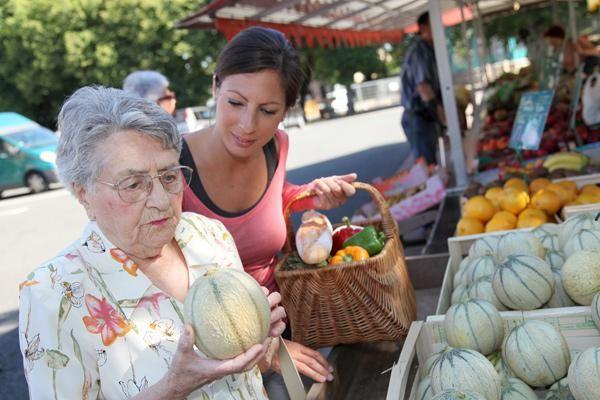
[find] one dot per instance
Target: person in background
(104, 318)
(154, 86)
(239, 165)
(420, 94)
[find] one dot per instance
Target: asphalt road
(34, 228)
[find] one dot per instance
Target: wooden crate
(569, 211)
(458, 248)
(425, 338)
(582, 180)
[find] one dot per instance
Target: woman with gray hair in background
(154, 86)
(103, 319)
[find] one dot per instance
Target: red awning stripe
(303, 35)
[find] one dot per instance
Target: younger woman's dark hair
(257, 49)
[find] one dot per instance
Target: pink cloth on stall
(260, 234)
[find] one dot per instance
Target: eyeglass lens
(137, 187)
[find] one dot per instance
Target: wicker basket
(363, 301)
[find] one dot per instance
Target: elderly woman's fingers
(243, 362)
(186, 341)
(277, 329)
(274, 299)
(277, 314)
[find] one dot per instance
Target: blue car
(27, 154)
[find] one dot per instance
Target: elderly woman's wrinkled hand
(333, 191)
(277, 313)
(189, 371)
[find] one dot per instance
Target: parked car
(27, 154)
(191, 119)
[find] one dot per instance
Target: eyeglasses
(134, 188)
(168, 96)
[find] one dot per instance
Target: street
(36, 227)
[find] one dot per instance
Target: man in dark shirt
(421, 96)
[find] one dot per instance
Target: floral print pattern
(124, 339)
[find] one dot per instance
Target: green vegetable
(369, 239)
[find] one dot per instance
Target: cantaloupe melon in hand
(581, 276)
(584, 375)
(228, 311)
(537, 353)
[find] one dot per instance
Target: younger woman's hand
(333, 191)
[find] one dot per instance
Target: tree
(48, 49)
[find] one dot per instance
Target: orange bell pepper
(349, 254)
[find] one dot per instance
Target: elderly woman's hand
(331, 192)
(189, 371)
(277, 313)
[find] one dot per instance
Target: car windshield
(35, 137)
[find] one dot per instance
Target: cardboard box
(425, 338)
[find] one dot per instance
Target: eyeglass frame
(150, 185)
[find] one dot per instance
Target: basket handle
(388, 225)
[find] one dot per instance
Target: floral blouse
(93, 326)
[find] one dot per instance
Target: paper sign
(530, 121)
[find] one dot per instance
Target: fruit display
(569, 160)
(318, 245)
(551, 266)
(502, 100)
(517, 204)
(228, 311)
(464, 321)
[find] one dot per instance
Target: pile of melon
(485, 359)
(518, 205)
(551, 266)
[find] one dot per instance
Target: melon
(523, 282)
(547, 237)
(596, 309)
(465, 369)
(584, 375)
(560, 391)
(482, 289)
(500, 366)
(537, 353)
(485, 246)
(574, 224)
(475, 324)
(459, 294)
(584, 239)
(555, 258)
(458, 395)
(424, 391)
(581, 276)
(479, 267)
(519, 243)
(425, 370)
(516, 389)
(228, 311)
(459, 277)
(559, 298)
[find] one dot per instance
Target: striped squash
(425, 370)
(596, 309)
(480, 267)
(560, 391)
(574, 224)
(228, 311)
(516, 389)
(485, 246)
(581, 276)
(556, 259)
(458, 395)
(482, 289)
(459, 277)
(585, 239)
(475, 324)
(519, 243)
(523, 282)
(536, 353)
(584, 375)
(464, 369)
(424, 391)
(559, 298)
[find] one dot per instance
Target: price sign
(530, 121)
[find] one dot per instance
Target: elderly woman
(104, 318)
(151, 85)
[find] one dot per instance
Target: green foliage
(50, 48)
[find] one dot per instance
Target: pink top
(260, 233)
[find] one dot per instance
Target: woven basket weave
(363, 301)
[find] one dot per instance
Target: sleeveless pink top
(260, 234)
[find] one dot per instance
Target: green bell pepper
(369, 239)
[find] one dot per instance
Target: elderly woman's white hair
(150, 85)
(94, 113)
